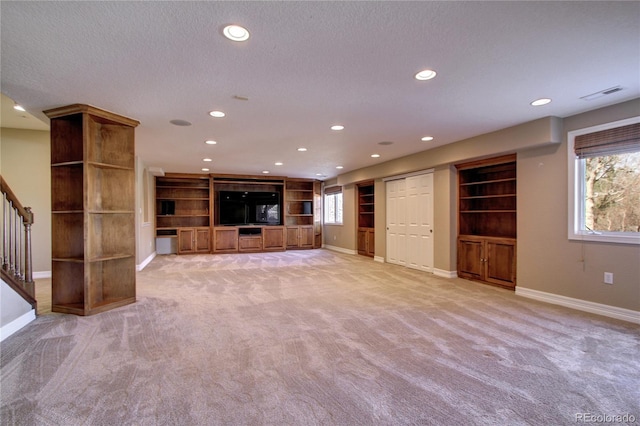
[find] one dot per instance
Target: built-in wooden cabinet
(366, 242)
(366, 218)
(183, 211)
(188, 213)
(317, 214)
(194, 240)
(300, 237)
(233, 239)
(487, 259)
(273, 238)
(303, 213)
(93, 210)
(487, 195)
(225, 239)
(250, 239)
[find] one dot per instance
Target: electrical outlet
(608, 277)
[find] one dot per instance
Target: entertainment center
(236, 213)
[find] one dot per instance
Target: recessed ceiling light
(375, 155)
(235, 33)
(427, 138)
(18, 108)
(541, 101)
(204, 169)
(210, 142)
(207, 159)
(302, 149)
(180, 123)
(266, 172)
(339, 167)
(337, 127)
(217, 114)
(278, 163)
(425, 75)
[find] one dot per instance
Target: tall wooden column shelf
(366, 219)
(487, 220)
(93, 209)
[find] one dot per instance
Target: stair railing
(16, 255)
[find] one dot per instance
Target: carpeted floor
(318, 338)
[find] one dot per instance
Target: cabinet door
(186, 241)
(225, 240)
(501, 262)
(362, 241)
(306, 236)
(371, 242)
(273, 238)
(250, 243)
(470, 264)
(202, 240)
(293, 236)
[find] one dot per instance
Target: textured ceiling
(309, 65)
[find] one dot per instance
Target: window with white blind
(604, 182)
(333, 205)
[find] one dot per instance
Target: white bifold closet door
(410, 222)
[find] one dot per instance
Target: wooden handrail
(16, 263)
(25, 213)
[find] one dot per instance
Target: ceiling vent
(601, 93)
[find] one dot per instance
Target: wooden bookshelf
(93, 209)
(300, 215)
(366, 218)
(487, 213)
(183, 211)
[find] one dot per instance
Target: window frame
(326, 210)
(576, 226)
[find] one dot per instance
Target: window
(604, 182)
(333, 205)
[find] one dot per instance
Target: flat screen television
(249, 208)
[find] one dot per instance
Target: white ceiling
(309, 65)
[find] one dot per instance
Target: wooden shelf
(93, 209)
(303, 213)
(485, 182)
(68, 259)
(366, 218)
(487, 219)
(487, 211)
(184, 211)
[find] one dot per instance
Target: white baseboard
(581, 305)
(145, 262)
(339, 249)
(445, 274)
(41, 274)
(379, 259)
(15, 325)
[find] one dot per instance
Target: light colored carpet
(318, 338)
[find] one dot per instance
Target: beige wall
(547, 260)
(344, 236)
(25, 164)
